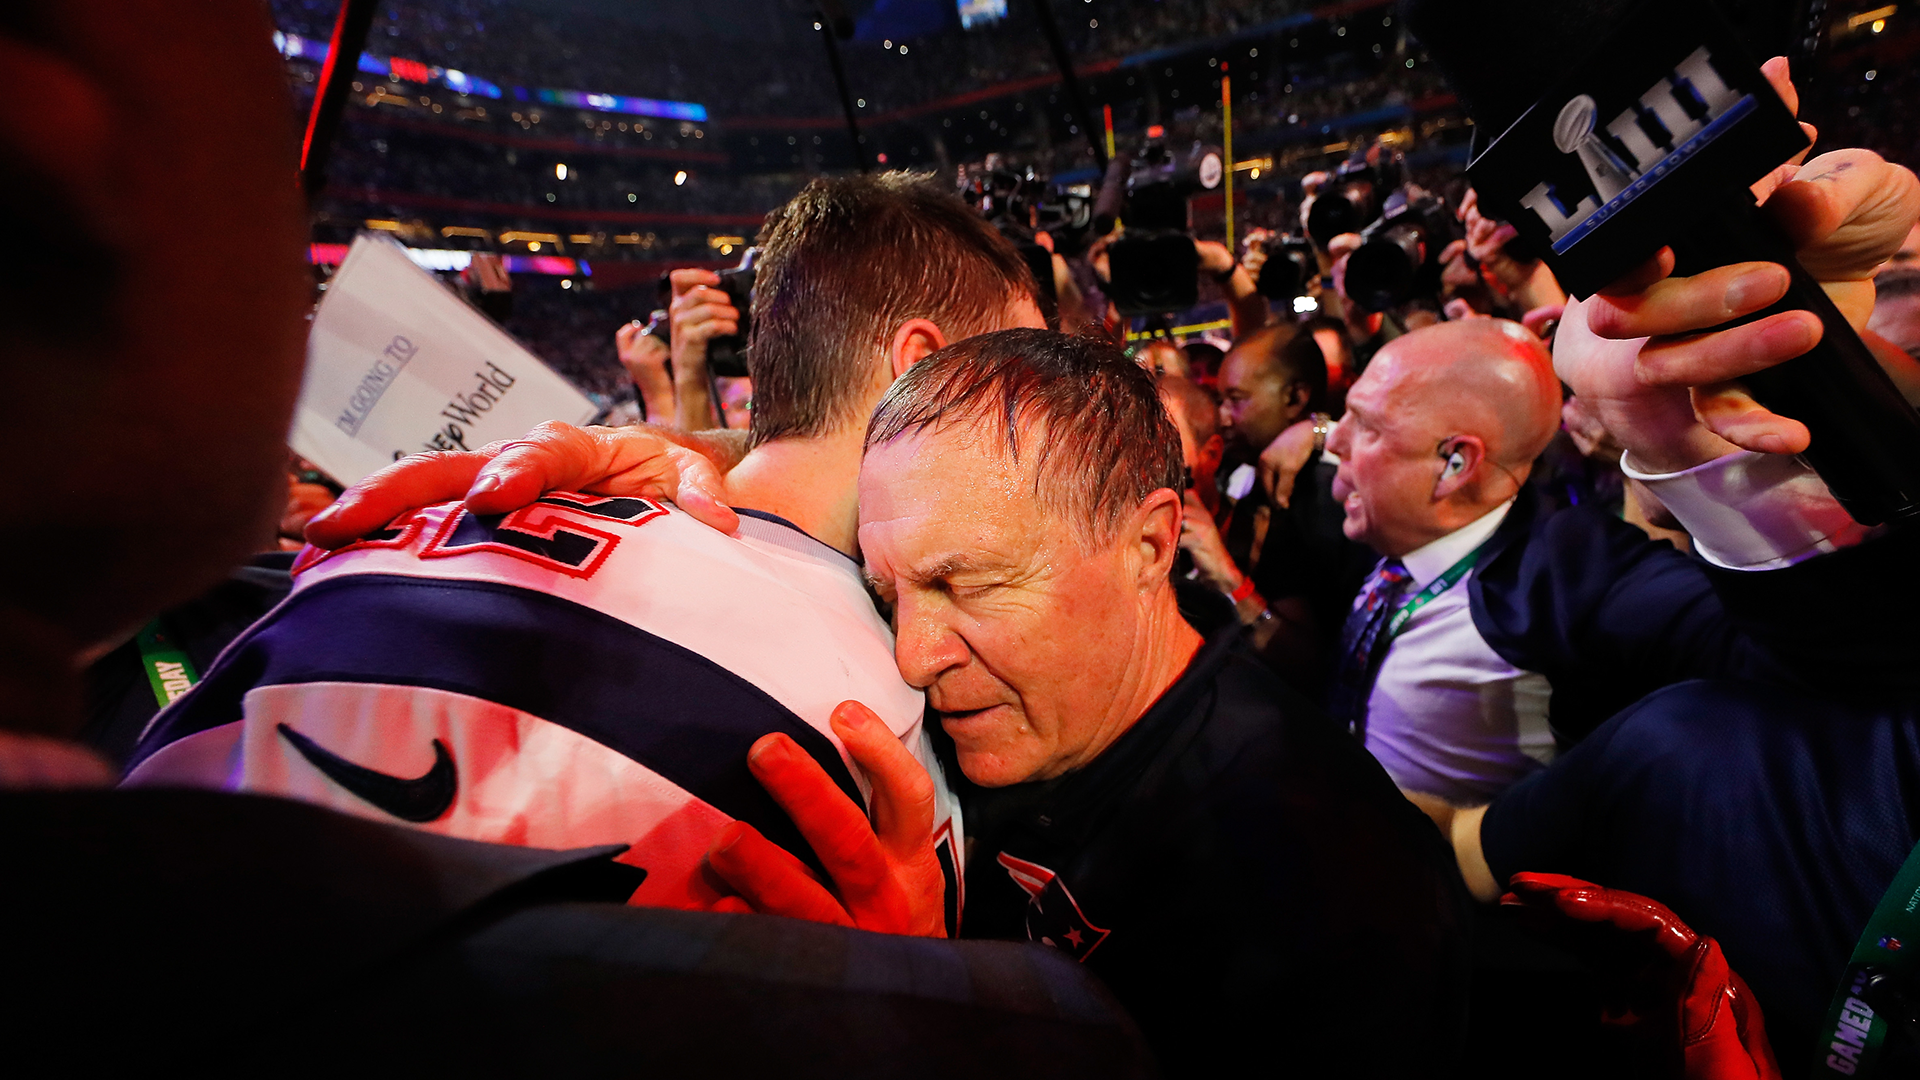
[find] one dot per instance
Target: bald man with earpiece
(1492, 632)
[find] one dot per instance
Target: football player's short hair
(1093, 419)
(1291, 354)
(841, 266)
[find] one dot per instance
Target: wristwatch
(1322, 423)
(1226, 275)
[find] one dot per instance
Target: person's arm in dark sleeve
(1606, 614)
(1826, 598)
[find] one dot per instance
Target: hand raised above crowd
(700, 311)
(1638, 355)
(645, 357)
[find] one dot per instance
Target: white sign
(398, 364)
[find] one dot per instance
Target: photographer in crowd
(666, 358)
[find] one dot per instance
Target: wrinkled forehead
(930, 494)
(958, 458)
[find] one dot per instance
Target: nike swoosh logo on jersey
(421, 799)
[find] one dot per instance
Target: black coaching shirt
(1244, 877)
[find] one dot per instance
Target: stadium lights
(1877, 16)
(566, 283)
(560, 172)
(533, 239)
(680, 178)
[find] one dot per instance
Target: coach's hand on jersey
(500, 477)
(885, 874)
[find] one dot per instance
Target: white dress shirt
(1448, 716)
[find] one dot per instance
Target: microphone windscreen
(1500, 56)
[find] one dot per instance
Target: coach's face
(1030, 646)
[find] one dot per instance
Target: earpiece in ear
(1456, 464)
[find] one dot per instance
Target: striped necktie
(1361, 641)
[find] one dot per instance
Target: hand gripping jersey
(586, 670)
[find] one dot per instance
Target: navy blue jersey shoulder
(1247, 873)
(674, 711)
(1607, 615)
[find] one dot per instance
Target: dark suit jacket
(1607, 615)
(1770, 811)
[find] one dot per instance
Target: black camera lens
(1330, 216)
(1382, 272)
(727, 355)
(1153, 274)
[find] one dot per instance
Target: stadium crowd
(930, 664)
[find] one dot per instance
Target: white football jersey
(586, 670)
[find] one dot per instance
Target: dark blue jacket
(1770, 811)
(1607, 615)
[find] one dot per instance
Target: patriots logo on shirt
(1053, 915)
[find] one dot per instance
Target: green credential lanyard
(169, 668)
(1448, 579)
(1854, 1038)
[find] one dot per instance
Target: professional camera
(1399, 255)
(1066, 214)
(728, 355)
(1152, 265)
(1290, 267)
(725, 355)
(1016, 202)
(1352, 197)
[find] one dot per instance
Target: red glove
(886, 876)
(1681, 981)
